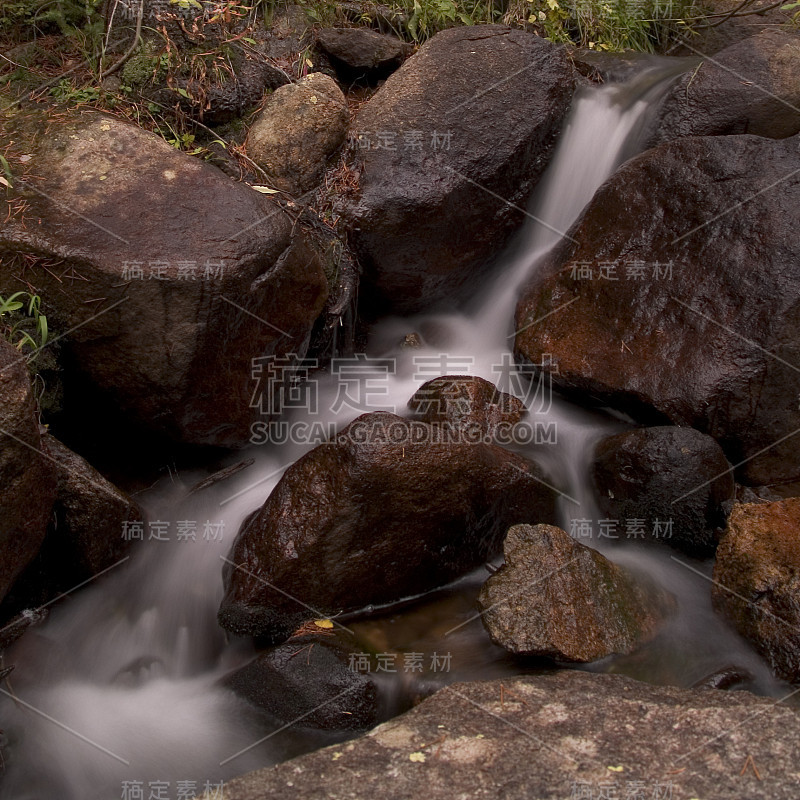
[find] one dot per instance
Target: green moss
(143, 67)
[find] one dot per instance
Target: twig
(130, 51)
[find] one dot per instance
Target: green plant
(7, 179)
(23, 325)
(643, 25)
(67, 93)
(41, 15)
(795, 7)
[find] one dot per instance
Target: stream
(117, 694)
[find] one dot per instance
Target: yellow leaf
(616, 769)
(323, 623)
(265, 189)
(420, 757)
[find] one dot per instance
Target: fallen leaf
(420, 757)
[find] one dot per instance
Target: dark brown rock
(557, 598)
(757, 580)
(167, 277)
(89, 531)
(89, 515)
(451, 143)
(468, 403)
(725, 679)
(308, 681)
(752, 86)
(711, 339)
(384, 512)
(359, 54)
(677, 481)
(214, 100)
(27, 484)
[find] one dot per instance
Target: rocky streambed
(469, 415)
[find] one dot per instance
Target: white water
(126, 671)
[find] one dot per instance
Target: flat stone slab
(563, 735)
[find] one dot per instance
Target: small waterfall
(121, 683)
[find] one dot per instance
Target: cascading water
(120, 688)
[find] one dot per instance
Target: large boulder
(299, 127)
(757, 580)
(308, 681)
(390, 509)
(554, 736)
(166, 278)
(27, 484)
(676, 297)
(452, 145)
(752, 86)
(557, 598)
(675, 482)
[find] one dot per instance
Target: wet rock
(359, 54)
(90, 531)
(168, 278)
(551, 736)
(308, 681)
(752, 86)
(557, 598)
(27, 485)
(13, 629)
(676, 482)
(725, 679)
(412, 341)
(387, 510)
(298, 129)
(452, 145)
(757, 583)
(469, 404)
(697, 325)
(90, 516)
